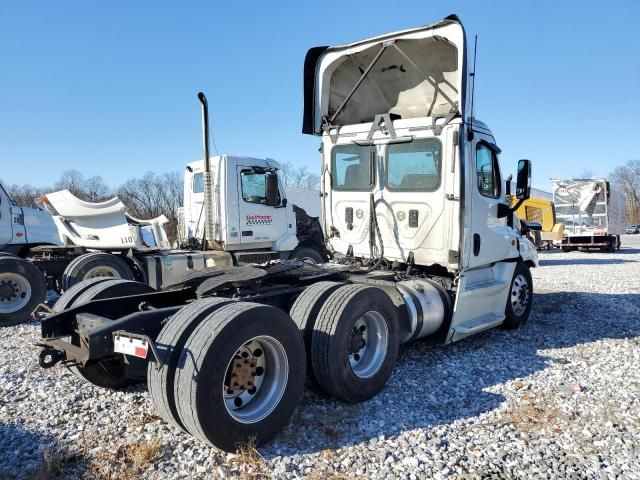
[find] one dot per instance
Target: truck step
(478, 324)
(256, 257)
(487, 287)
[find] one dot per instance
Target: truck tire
(68, 297)
(304, 313)
(106, 372)
(22, 289)
(169, 344)
(307, 254)
(520, 298)
(355, 342)
(98, 264)
(240, 376)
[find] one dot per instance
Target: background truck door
(6, 221)
(488, 240)
(259, 223)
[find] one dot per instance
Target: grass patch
(126, 462)
(248, 463)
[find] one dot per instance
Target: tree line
(146, 197)
(627, 178)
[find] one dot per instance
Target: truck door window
(198, 183)
(253, 187)
(414, 166)
(351, 168)
(487, 171)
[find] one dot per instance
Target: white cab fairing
(102, 225)
(415, 73)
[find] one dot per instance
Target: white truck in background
(592, 211)
(67, 240)
(243, 222)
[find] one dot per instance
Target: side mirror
(523, 184)
(271, 189)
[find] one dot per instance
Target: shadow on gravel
(34, 456)
(435, 385)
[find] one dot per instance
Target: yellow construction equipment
(542, 211)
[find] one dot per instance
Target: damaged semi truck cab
(409, 179)
(414, 209)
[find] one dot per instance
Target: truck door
(259, 223)
(348, 204)
(489, 238)
(6, 222)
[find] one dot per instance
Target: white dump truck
(592, 211)
(414, 206)
(243, 223)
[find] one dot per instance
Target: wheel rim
(15, 292)
(255, 379)
(101, 271)
(368, 344)
(520, 294)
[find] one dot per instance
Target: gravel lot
(559, 398)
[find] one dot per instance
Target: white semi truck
(242, 221)
(592, 211)
(414, 206)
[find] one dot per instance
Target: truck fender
(286, 243)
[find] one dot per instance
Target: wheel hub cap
(368, 344)
(520, 294)
(255, 380)
(15, 292)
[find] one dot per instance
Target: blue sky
(109, 88)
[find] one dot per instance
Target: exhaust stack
(209, 226)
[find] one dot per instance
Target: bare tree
(153, 195)
(627, 177)
(297, 177)
(95, 189)
(72, 180)
(24, 195)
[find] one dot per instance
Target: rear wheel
(92, 265)
(308, 254)
(169, 343)
(22, 289)
(304, 313)
(520, 298)
(355, 342)
(106, 372)
(240, 375)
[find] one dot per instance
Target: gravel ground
(559, 398)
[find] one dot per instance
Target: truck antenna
(473, 83)
(208, 194)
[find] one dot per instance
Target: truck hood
(413, 73)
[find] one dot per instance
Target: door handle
(476, 244)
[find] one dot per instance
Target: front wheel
(22, 288)
(520, 298)
(307, 254)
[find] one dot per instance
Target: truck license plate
(130, 346)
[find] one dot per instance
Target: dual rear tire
(351, 336)
(232, 372)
